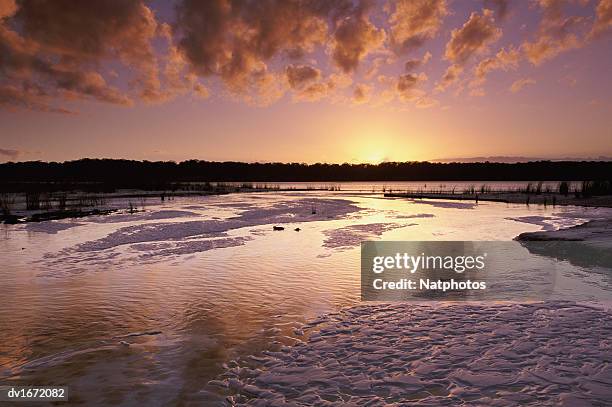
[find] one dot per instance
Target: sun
(375, 157)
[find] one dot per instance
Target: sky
(305, 80)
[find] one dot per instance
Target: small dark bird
(297, 229)
(278, 228)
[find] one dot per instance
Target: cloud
(61, 46)
(11, 154)
(299, 75)
(361, 93)
(237, 41)
(450, 77)
(229, 38)
(501, 7)
(412, 64)
(85, 33)
(29, 97)
(177, 77)
(520, 84)
(314, 92)
(376, 64)
(323, 88)
(355, 38)
(472, 38)
(407, 86)
(7, 8)
(502, 60)
(477, 92)
(412, 22)
(265, 88)
(426, 102)
(569, 80)
(556, 33)
(603, 18)
(56, 52)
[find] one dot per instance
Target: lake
(146, 308)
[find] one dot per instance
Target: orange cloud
(415, 21)
(323, 88)
(520, 84)
(235, 40)
(503, 60)
(450, 77)
(407, 86)
(603, 18)
(53, 52)
(412, 64)
(556, 33)
(299, 75)
(355, 38)
(7, 8)
(501, 7)
(61, 45)
(472, 38)
(82, 33)
(27, 96)
(361, 93)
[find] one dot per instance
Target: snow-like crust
(416, 216)
(445, 204)
(143, 216)
(352, 235)
(283, 212)
(549, 222)
(50, 227)
(555, 353)
(594, 230)
(187, 233)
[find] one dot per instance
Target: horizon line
(466, 160)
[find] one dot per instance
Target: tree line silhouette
(110, 174)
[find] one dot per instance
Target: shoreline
(592, 230)
(546, 199)
(75, 211)
(585, 245)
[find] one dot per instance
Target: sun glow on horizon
(377, 158)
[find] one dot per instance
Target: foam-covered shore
(553, 353)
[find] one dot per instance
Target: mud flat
(438, 354)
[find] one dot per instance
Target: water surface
(148, 307)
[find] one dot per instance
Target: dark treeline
(147, 174)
